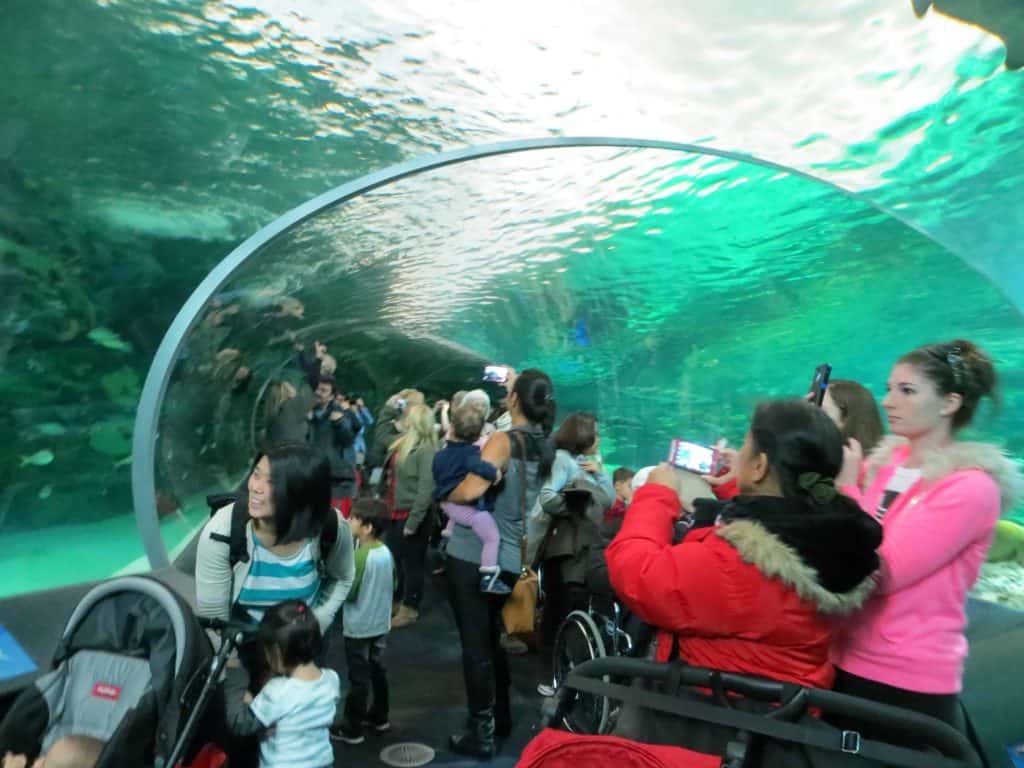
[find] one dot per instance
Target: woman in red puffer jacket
(756, 585)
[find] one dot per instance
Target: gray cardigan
(218, 584)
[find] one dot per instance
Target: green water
(140, 142)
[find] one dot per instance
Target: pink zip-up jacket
(910, 634)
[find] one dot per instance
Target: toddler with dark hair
(367, 621)
(458, 458)
(296, 707)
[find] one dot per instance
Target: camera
(819, 383)
(693, 457)
(496, 374)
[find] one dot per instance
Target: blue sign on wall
(1017, 755)
(13, 659)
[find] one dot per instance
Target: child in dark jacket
(458, 458)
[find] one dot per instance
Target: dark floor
(428, 701)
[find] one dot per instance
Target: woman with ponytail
(524, 455)
(938, 500)
(755, 588)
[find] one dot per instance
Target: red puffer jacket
(732, 597)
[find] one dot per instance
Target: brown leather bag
(519, 613)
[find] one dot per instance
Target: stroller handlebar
(227, 625)
(793, 699)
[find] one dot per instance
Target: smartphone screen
(497, 374)
(820, 383)
(692, 457)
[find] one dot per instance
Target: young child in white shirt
(294, 710)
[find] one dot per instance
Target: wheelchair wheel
(579, 640)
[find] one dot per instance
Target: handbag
(519, 613)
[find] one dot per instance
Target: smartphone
(820, 383)
(497, 374)
(692, 457)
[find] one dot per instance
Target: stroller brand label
(106, 691)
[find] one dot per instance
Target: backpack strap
(328, 538)
(237, 551)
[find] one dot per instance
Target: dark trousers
(365, 672)
(484, 665)
(944, 707)
(246, 674)
(410, 553)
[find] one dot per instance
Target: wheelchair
(583, 636)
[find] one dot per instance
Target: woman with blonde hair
(410, 489)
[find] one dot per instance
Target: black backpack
(239, 553)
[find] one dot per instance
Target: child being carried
(458, 458)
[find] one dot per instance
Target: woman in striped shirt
(287, 507)
(288, 503)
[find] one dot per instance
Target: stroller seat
(129, 656)
(92, 693)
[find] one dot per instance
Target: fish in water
(108, 339)
(581, 333)
(38, 459)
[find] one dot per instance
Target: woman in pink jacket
(938, 500)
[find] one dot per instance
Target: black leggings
(944, 707)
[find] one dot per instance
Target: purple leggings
(482, 524)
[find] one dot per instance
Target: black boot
(478, 738)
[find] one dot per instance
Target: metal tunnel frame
(155, 388)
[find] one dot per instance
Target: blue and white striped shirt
(273, 578)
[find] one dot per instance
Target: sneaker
(492, 584)
(405, 617)
(380, 726)
(513, 645)
(348, 734)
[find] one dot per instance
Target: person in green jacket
(410, 498)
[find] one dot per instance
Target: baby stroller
(751, 722)
(133, 669)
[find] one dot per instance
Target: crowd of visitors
(812, 555)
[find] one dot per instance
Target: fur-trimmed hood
(775, 559)
(984, 456)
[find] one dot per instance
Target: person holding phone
(758, 591)
(938, 499)
(854, 410)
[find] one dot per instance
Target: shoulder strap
(522, 491)
(239, 553)
(328, 537)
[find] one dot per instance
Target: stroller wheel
(579, 640)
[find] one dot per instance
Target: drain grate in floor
(406, 755)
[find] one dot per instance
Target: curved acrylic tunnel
(129, 170)
(667, 289)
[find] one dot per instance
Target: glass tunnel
(189, 191)
(862, 187)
